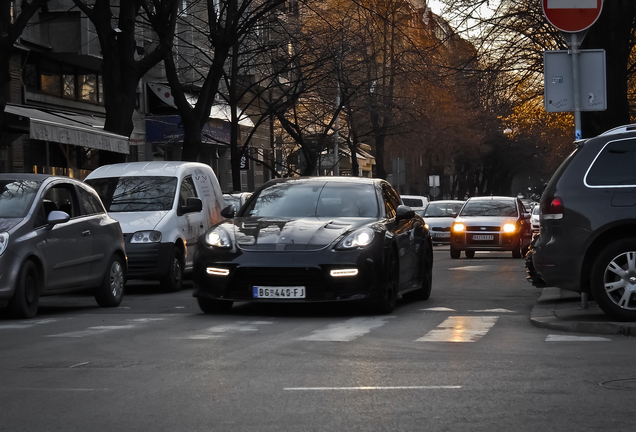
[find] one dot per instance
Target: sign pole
(575, 84)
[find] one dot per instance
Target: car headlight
(146, 237)
(4, 242)
(459, 227)
(426, 226)
(218, 237)
(509, 228)
(359, 238)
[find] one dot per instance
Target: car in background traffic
(587, 240)
(416, 202)
(494, 223)
(237, 199)
(535, 219)
(55, 237)
(316, 239)
(439, 216)
(163, 208)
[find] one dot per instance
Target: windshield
(16, 197)
(503, 208)
(443, 209)
(315, 199)
(134, 194)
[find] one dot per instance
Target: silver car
(439, 216)
(55, 236)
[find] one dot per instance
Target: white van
(163, 208)
(416, 202)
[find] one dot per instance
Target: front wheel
(111, 292)
(518, 251)
(25, 300)
(470, 253)
(454, 252)
(613, 281)
(173, 280)
(386, 303)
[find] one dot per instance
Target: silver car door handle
(86, 233)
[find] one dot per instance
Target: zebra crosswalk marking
(460, 329)
(348, 330)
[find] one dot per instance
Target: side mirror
(405, 212)
(229, 212)
(193, 205)
(57, 217)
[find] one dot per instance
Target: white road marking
(470, 268)
(201, 337)
(371, 388)
(460, 329)
(240, 326)
(348, 330)
(144, 320)
(27, 324)
(439, 309)
(568, 338)
(92, 331)
(498, 310)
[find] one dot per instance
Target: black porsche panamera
(315, 239)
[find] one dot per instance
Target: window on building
(51, 78)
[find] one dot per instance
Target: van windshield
(135, 194)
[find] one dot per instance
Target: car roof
(157, 168)
(336, 179)
(492, 198)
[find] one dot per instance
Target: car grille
(479, 228)
(442, 229)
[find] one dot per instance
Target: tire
(386, 303)
(454, 253)
(613, 280)
(213, 306)
(424, 292)
(25, 300)
(518, 252)
(173, 280)
(470, 253)
(111, 292)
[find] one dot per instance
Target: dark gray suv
(587, 239)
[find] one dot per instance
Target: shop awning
(220, 110)
(68, 128)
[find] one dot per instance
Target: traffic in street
(468, 358)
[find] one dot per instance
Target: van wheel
(613, 281)
(111, 292)
(25, 300)
(173, 280)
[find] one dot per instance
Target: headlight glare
(459, 227)
(218, 237)
(359, 238)
(509, 228)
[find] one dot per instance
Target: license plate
(441, 235)
(483, 237)
(274, 292)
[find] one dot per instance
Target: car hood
(7, 223)
(280, 234)
(131, 222)
(441, 222)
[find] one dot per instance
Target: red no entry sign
(572, 16)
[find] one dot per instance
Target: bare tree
(124, 62)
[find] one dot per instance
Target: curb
(554, 302)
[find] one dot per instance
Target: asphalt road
(467, 359)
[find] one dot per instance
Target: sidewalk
(558, 309)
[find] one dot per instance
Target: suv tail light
(554, 210)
